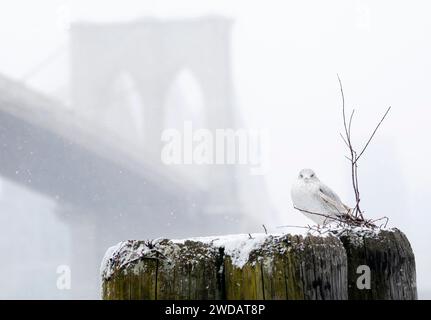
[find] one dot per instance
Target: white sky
(286, 55)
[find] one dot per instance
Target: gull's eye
(312, 175)
(301, 176)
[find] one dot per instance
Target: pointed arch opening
(184, 101)
(125, 108)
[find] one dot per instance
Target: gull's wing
(332, 199)
(328, 192)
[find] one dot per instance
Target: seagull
(316, 200)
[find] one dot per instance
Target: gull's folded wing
(332, 200)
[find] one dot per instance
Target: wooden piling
(270, 267)
(391, 263)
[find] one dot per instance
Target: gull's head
(307, 175)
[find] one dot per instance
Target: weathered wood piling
(391, 263)
(289, 267)
(262, 266)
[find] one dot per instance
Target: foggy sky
(286, 56)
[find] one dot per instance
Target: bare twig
(372, 135)
(344, 139)
(264, 228)
(344, 112)
(350, 121)
(320, 214)
(348, 141)
(292, 226)
(382, 218)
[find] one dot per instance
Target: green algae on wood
(262, 267)
(275, 269)
(290, 267)
(164, 270)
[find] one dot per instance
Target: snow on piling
(259, 266)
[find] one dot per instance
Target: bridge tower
(143, 59)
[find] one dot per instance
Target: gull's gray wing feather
(332, 199)
(328, 192)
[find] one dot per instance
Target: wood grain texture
(391, 261)
(290, 267)
(282, 267)
(171, 271)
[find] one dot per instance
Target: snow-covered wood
(262, 266)
(257, 266)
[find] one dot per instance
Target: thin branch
(350, 121)
(348, 142)
(320, 214)
(344, 139)
(354, 180)
(386, 218)
(344, 112)
(292, 226)
(358, 196)
(374, 132)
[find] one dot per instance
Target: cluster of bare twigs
(341, 224)
(348, 219)
(355, 156)
(355, 217)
